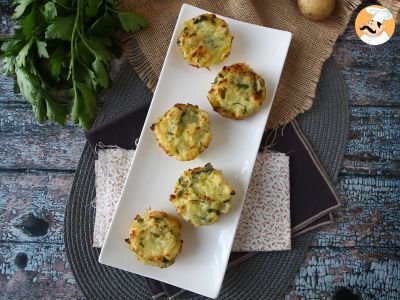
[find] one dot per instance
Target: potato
(317, 10)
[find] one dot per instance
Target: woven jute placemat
(311, 45)
(265, 275)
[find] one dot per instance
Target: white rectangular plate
(201, 265)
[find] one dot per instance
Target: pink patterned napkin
(265, 221)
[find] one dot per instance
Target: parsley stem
(63, 6)
(99, 19)
(73, 41)
(86, 44)
(113, 10)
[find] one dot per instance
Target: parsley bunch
(61, 54)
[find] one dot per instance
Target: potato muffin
(205, 40)
(201, 195)
(156, 238)
(183, 131)
(237, 92)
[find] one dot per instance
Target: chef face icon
(375, 25)
(373, 28)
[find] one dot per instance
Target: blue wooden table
(360, 250)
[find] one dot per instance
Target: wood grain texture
(47, 274)
(369, 216)
(373, 273)
(40, 194)
(373, 143)
(29, 145)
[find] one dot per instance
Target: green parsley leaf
(39, 108)
(56, 60)
(27, 84)
(12, 47)
(20, 9)
(42, 51)
(104, 26)
(92, 8)
(74, 111)
(89, 98)
(29, 24)
(56, 111)
(61, 28)
(84, 53)
(29, 87)
(98, 49)
(8, 65)
(132, 21)
(21, 58)
(89, 77)
(50, 11)
(101, 73)
(242, 85)
(16, 88)
(84, 106)
(106, 41)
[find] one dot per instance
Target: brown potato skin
(317, 10)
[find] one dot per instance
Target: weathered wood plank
(36, 271)
(7, 95)
(32, 206)
(372, 74)
(369, 216)
(374, 273)
(28, 145)
(373, 145)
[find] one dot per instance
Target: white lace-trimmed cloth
(111, 169)
(265, 221)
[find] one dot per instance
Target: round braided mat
(265, 275)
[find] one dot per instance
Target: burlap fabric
(311, 45)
